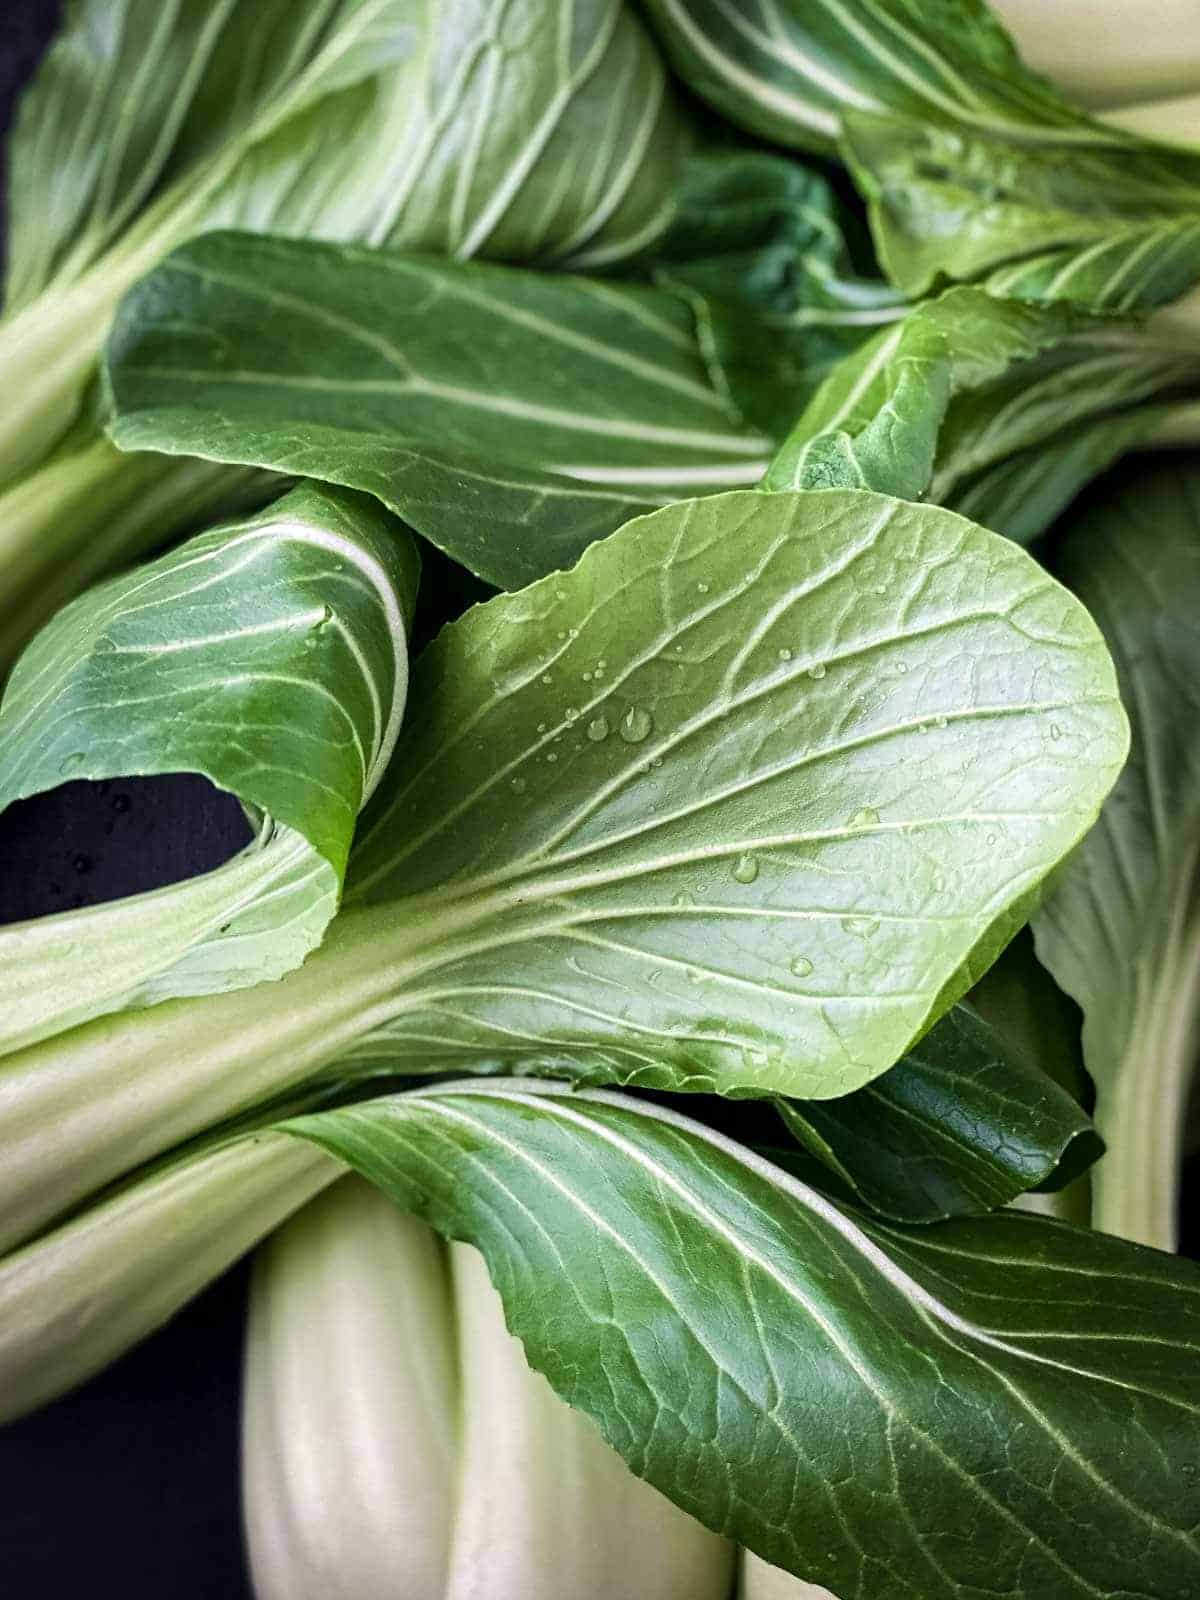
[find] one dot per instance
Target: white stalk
(1108, 52)
(79, 1110)
(761, 1581)
(349, 1405)
(75, 1299)
(546, 1509)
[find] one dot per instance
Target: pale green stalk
(76, 1298)
(1108, 52)
(545, 1508)
(759, 1580)
(349, 1405)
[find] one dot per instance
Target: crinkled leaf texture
(739, 804)
(270, 655)
(1001, 1406)
(511, 417)
(959, 1126)
(1121, 929)
(997, 408)
(758, 245)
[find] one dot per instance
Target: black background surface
(129, 1486)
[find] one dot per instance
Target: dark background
(130, 1485)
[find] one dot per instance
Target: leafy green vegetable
(511, 417)
(735, 1335)
(834, 744)
(269, 655)
(759, 246)
(961, 1125)
(991, 406)
(398, 122)
(1120, 930)
(783, 1369)
(973, 167)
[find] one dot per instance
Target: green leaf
(1020, 1397)
(740, 804)
(510, 417)
(1121, 931)
(758, 245)
(991, 406)
(791, 69)
(960, 1125)
(269, 655)
(1096, 217)
(402, 122)
(974, 168)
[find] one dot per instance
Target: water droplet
(683, 900)
(121, 803)
(902, 667)
(104, 645)
(552, 758)
(922, 727)
(745, 869)
(541, 727)
(571, 714)
(785, 654)
(1055, 731)
(993, 838)
(519, 785)
(597, 729)
(635, 725)
(587, 677)
(82, 863)
(600, 665)
(69, 763)
(703, 588)
(560, 594)
(546, 678)
(864, 927)
(868, 817)
(881, 588)
(694, 975)
(939, 722)
(800, 966)
(562, 634)
(817, 670)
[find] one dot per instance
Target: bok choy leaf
(511, 417)
(269, 655)
(788, 1372)
(742, 803)
(735, 1336)
(1121, 929)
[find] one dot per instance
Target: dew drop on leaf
(518, 785)
(800, 966)
(1055, 731)
(745, 868)
(683, 900)
(69, 763)
(866, 818)
(864, 927)
(817, 670)
(785, 655)
(635, 725)
(571, 714)
(546, 678)
(597, 729)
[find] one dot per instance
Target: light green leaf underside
(961, 1125)
(399, 122)
(269, 655)
(511, 417)
(1007, 1405)
(1121, 931)
(736, 799)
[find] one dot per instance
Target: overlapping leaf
(269, 655)
(1121, 930)
(961, 1125)
(1002, 1405)
(739, 804)
(990, 406)
(510, 417)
